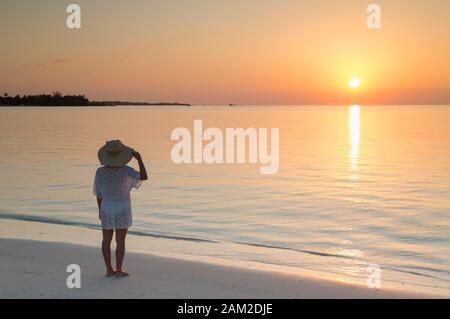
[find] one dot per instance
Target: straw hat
(114, 153)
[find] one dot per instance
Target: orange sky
(245, 52)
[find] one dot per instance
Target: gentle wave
(56, 221)
(310, 252)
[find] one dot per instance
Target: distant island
(57, 99)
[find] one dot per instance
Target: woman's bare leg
(106, 250)
(120, 250)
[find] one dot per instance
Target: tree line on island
(58, 99)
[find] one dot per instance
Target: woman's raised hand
(142, 169)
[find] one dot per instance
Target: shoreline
(35, 256)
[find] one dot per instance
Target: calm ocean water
(357, 185)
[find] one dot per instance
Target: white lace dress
(113, 186)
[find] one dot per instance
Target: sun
(354, 83)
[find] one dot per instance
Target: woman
(112, 186)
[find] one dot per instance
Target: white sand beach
(37, 269)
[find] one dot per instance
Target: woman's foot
(122, 273)
(110, 272)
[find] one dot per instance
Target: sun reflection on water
(354, 136)
(354, 132)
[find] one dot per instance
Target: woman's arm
(142, 169)
(99, 202)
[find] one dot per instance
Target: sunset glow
(198, 53)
